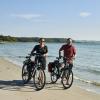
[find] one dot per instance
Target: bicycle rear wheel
(67, 79)
(39, 79)
(26, 77)
(54, 75)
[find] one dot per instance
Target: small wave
(51, 56)
(11, 56)
(94, 71)
(13, 61)
(87, 81)
(96, 83)
(20, 56)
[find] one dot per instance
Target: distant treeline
(7, 38)
(28, 39)
(35, 39)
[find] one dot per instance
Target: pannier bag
(50, 66)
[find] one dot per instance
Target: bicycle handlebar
(34, 54)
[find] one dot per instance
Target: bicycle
(36, 71)
(27, 69)
(64, 73)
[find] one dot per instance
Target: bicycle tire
(36, 79)
(26, 75)
(68, 78)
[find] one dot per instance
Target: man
(43, 50)
(69, 52)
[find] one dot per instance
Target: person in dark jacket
(43, 50)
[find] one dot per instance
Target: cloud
(26, 16)
(85, 14)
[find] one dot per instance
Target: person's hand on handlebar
(45, 55)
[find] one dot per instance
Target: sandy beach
(12, 88)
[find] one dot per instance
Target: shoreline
(77, 83)
(11, 87)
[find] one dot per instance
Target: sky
(77, 19)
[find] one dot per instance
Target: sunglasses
(42, 41)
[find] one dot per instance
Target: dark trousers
(41, 60)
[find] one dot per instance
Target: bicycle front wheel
(67, 79)
(39, 79)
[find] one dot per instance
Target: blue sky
(78, 19)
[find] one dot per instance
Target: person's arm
(74, 52)
(60, 51)
(45, 51)
(33, 50)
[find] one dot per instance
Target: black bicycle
(34, 69)
(27, 69)
(61, 70)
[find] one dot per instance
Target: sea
(86, 65)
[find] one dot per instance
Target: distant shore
(11, 87)
(4, 39)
